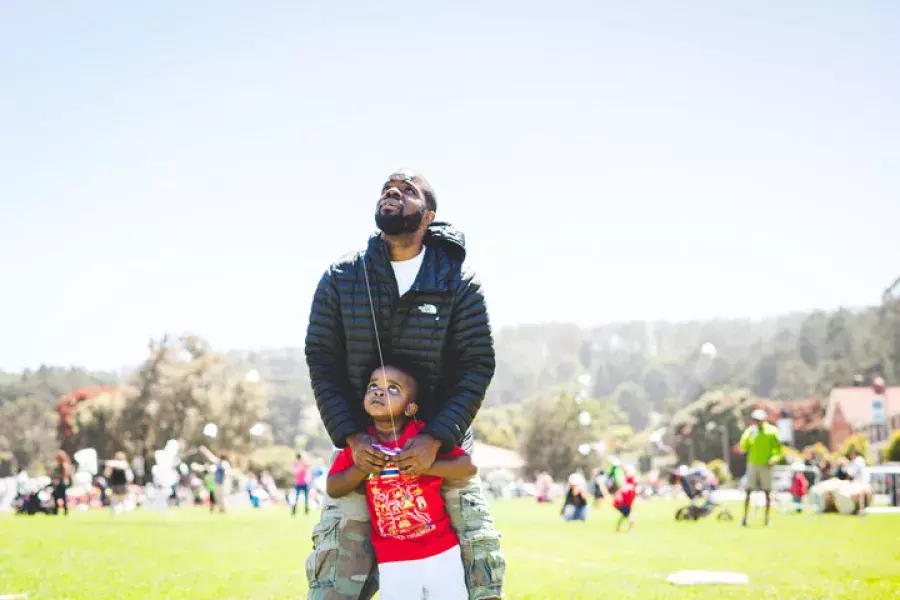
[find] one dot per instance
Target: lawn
(260, 554)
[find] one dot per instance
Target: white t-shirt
(405, 271)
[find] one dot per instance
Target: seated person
(576, 502)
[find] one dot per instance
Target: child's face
(395, 399)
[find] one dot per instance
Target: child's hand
(368, 468)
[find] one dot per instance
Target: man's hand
(418, 455)
(366, 458)
(772, 462)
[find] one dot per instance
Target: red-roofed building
(850, 411)
(806, 414)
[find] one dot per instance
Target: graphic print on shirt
(401, 510)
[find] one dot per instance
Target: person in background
(576, 502)
(61, 479)
(760, 443)
(623, 500)
(268, 484)
(223, 482)
(252, 487)
(302, 479)
(858, 469)
(598, 480)
(799, 486)
(119, 475)
(222, 476)
(542, 485)
(209, 481)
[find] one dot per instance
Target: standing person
(598, 478)
(119, 475)
(623, 500)
(61, 479)
(543, 484)
(799, 486)
(223, 482)
(301, 483)
(760, 443)
(221, 477)
(417, 551)
(209, 480)
(409, 293)
(858, 469)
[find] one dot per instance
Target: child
(799, 487)
(623, 501)
(417, 551)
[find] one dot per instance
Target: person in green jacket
(763, 449)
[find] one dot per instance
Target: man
(760, 443)
(408, 294)
(858, 469)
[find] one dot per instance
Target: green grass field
(260, 554)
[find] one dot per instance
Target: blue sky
(195, 166)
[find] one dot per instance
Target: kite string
(380, 354)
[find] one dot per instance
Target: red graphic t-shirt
(408, 517)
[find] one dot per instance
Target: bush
(720, 470)
(858, 442)
(277, 460)
(790, 455)
(817, 450)
(891, 450)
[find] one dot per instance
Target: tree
(631, 400)
(891, 451)
(27, 440)
(858, 442)
(554, 433)
(656, 385)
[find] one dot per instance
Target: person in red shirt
(623, 501)
(417, 551)
(799, 487)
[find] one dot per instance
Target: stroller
(34, 497)
(699, 489)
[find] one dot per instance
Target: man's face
(401, 206)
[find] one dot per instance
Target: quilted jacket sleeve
(325, 356)
(470, 355)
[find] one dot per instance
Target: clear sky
(195, 166)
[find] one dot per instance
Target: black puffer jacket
(441, 324)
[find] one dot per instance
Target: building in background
(850, 410)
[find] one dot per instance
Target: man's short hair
(423, 185)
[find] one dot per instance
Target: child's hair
(405, 365)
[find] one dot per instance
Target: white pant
(438, 577)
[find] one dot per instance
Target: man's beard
(398, 223)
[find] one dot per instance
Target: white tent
(487, 457)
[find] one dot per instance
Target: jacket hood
(439, 234)
(452, 240)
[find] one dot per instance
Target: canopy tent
(487, 457)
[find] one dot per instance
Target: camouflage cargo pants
(342, 564)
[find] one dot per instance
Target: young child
(623, 501)
(417, 551)
(799, 487)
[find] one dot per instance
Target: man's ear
(411, 409)
(429, 218)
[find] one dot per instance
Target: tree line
(643, 375)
